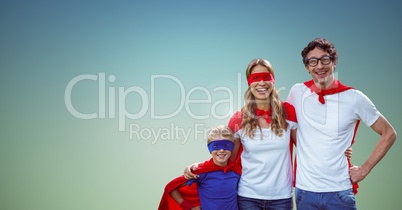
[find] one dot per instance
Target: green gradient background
(53, 160)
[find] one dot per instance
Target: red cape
(190, 193)
(335, 87)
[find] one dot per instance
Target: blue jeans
(258, 204)
(306, 200)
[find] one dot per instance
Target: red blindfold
(257, 77)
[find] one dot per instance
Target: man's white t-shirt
(325, 132)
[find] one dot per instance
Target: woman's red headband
(257, 77)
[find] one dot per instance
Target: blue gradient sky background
(53, 160)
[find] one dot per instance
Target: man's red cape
(190, 193)
(335, 87)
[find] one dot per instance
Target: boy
(217, 181)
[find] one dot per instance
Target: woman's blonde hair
(220, 131)
(278, 118)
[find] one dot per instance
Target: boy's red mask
(257, 77)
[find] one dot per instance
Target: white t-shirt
(325, 132)
(267, 167)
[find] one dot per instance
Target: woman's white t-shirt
(267, 166)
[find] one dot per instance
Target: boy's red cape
(190, 193)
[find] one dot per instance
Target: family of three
(251, 165)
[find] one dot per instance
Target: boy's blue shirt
(217, 189)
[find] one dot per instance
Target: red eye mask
(264, 76)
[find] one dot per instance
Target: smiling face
(263, 88)
(220, 144)
(323, 75)
(221, 156)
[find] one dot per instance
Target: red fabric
(257, 77)
(291, 116)
(186, 205)
(209, 166)
(355, 185)
(235, 121)
(265, 114)
(290, 112)
(335, 87)
(235, 125)
(190, 193)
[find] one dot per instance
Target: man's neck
(325, 85)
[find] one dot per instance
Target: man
(328, 114)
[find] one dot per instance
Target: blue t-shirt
(217, 190)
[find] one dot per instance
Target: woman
(264, 142)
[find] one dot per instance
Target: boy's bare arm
(180, 200)
(176, 195)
